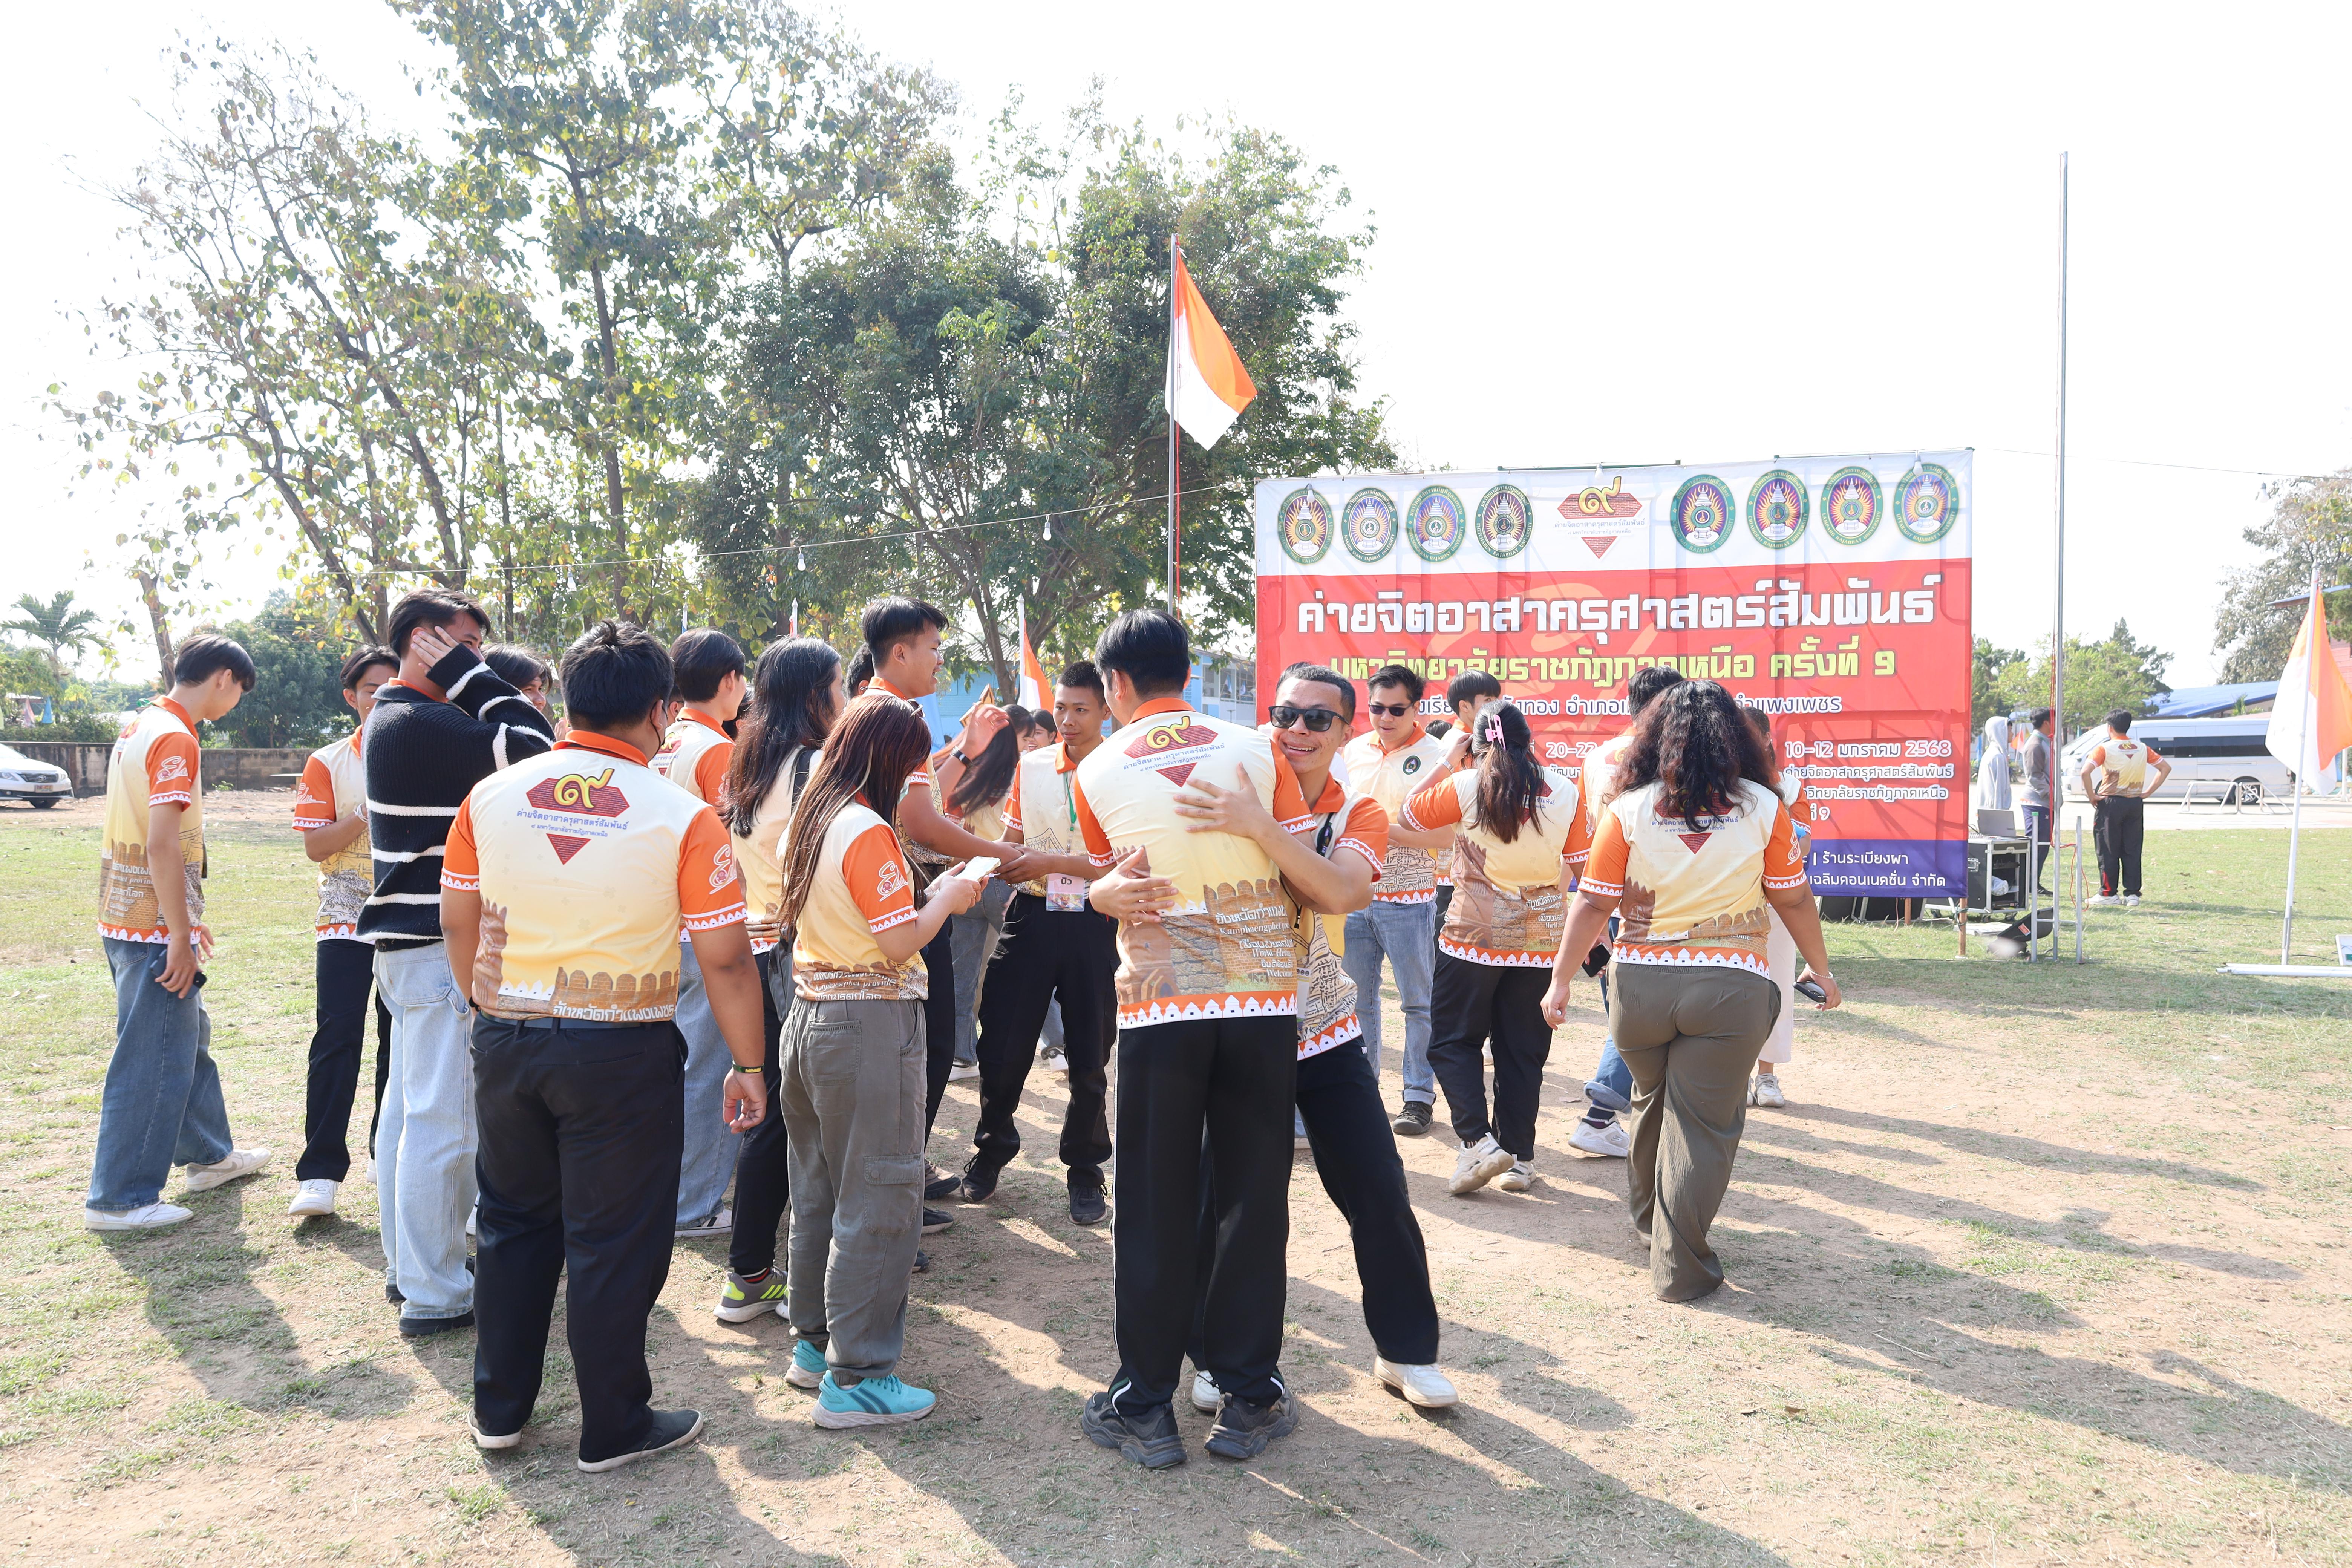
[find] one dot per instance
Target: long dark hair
(792, 699)
(1692, 744)
(878, 742)
(989, 779)
(1510, 779)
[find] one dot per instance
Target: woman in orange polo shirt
(1693, 857)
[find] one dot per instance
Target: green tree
(57, 625)
(2310, 526)
(2117, 671)
(297, 698)
(1986, 694)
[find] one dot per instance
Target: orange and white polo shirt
(1342, 822)
(588, 863)
(1389, 775)
(333, 785)
(1043, 806)
(2119, 766)
(862, 886)
(153, 764)
(1507, 906)
(1227, 949)
(1695, 896)
(760, 858)
(694, 755)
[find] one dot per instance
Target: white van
(2220, 759)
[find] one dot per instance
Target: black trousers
(939, 1023)
(1072, 955)
(2117, 825)
(345, 972)
(582, 1129)
(1356, 1156)
(1473, 1004)
(763, 1179)
(1234, 1081)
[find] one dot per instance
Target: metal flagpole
(2301, 746)
(2058, 579)
(1173, 252)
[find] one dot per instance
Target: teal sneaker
(876, 1402)
(807, 1370)
(741, 1301)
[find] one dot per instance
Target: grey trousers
(850, 1088)
(1689, 1034)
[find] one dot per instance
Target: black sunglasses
(1393, 710)
(1318, 720)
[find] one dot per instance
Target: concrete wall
(239, 767)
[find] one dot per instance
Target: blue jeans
(708, 1162)
(975, 934)
(1406, 935)
(162, 1106)
(1612, 1072)
(424, 1171)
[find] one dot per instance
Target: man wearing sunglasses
(1397, 756)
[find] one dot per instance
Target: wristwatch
(960, 757)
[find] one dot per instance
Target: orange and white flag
(2311, 720)
(1208, 386)
(1033, 693)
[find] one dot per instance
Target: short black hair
(1151, 648)
(1441, 727)
(614, 675)
(365, 659)
(2120, 720)
(703, 658)
(889, 622)
(201, 655)
(1322, 676)
(861, 668)
(518, 667)
(431, 608)
(1397, 675)
(1081, 675)
(1475, 683)
(2043, 716)
(1648, 682)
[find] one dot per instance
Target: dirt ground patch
(2040, 1264)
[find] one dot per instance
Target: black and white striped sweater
(422, 758)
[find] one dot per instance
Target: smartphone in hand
(1810, 990)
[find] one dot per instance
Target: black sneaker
(922, 1261)
(1148, 1437)
(425, 1328)
(936, 1221)
(979, 1179)
(1086, 1206)
(391, 1293)
(1243, 1429)
(1412, 1121)
(671, 1429)
(940, 1184)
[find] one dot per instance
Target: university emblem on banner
(1368, 523)
(1851, 503)
(1434, 523)
(1777, 510)
(1506, 521)
(1926, 503)
(1305, 524)
(1701, 513)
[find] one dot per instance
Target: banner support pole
(1174, 250)
(2295, 833)
(2058, 562)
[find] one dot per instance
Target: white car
(2221, 759)
(22, 778)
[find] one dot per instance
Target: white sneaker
(153, 1216)
(240, 1163)
(2098, 898)
(1205, 1397)
(1517, 1179)
(1765, 1091)
(1055, 1064)
(314, 1199)
(473, 1219)
(962, 1070)
(2131, 900)
(1611, 1142)
(1424, 1385)
(1478, 1164)
(719, 1224)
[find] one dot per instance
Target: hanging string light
(804, 559)
(1049, 527)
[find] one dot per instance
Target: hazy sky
(1614, 234)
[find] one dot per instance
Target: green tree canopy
(2310, 526)
(60, 627)
(2117, 671)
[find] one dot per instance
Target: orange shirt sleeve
(461, 859)
(1290, 808)
(1575, 852)
(1784, 864)
(1096, 841)
(314, 797)
(1366, 832)
(710, 771)
(171, 771)
(1013, 805)
(1436, 806)
(1604, 868)
(708, 894)
(875, 871)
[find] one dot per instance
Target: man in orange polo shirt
(565, 881)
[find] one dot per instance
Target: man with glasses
(1397, 756)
